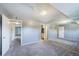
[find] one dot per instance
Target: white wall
(12, 33)
(52, 32)
(30, 35)
(5, 35)
(72, 32)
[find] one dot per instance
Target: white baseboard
(22, 44)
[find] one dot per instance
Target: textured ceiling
(32, 12)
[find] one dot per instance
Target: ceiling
(69, 9)
(42, 12)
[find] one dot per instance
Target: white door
(5, 35)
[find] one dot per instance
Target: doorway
(44, 32)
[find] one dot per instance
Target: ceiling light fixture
(43, 13)
(17, 23)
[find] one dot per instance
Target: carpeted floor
(43, 48)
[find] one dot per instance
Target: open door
(5, 35)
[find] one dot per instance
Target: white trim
(29, 43)
(21, 31)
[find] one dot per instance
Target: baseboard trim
(29, 43)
